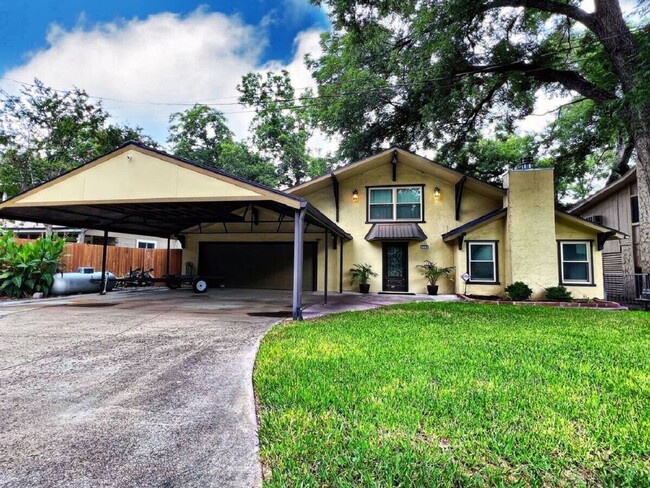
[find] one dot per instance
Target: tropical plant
(361, 273)
(28, 267)
(518, 291)
(433, 273)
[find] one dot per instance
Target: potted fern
(361, 273)
(433, 273)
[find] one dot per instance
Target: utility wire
(341, 94)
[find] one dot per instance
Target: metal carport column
(298, 227)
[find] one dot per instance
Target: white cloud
(159, 61)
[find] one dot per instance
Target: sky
(149, 58)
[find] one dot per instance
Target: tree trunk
(643, 191)
(616, 37)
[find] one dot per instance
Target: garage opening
(267, 265)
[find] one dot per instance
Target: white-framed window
(575, 263)
(146, 244)
(482, 261)
(400, 203)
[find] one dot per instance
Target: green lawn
(456, 394)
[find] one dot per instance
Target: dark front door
(396, 266)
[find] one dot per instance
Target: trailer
(198, 283)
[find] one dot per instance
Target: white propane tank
(68, 283)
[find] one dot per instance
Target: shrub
(519, 291)
(558, 294)
(28, 267)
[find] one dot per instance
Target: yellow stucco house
(393, 211)
(401, 209)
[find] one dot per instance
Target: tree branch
(571, 11)
(571, 80)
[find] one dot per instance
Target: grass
(457, 394)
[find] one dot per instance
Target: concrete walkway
(139, 388)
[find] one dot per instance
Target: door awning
(396, 232)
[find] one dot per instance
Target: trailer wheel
(199, 285)
(173, 283)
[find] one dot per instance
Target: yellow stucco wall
(531, 248)
(134, 176)
(566, 230)
(438, 215)
(494, 231)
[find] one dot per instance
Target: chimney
(530, 231)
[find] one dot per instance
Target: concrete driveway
(139, 388)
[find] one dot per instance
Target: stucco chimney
(530, 235)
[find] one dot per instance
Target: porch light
(436, 192)
(355, 196)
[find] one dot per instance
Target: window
(634, 203)
(575, 262)
(482, 262)
(146, 244)
(398, 203)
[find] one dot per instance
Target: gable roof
(140, 190)
(141, 180)
(403, 157)
(603, 193)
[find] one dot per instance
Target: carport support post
(327, 245)
(168, 255)
(298, 227)
(341, 265)
(104, 256)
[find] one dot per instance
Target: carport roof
(140, 190)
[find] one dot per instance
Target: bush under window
(558, 294)
(519, 291)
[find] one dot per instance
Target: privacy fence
(626, 288)
(119, 260)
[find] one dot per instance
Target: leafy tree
(201, 134)
(434, 74)
(198, 133)
(236, 158)
(45, 132)
(282, 126)
(486, 158)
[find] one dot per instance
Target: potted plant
(361, 273)
(433, 273)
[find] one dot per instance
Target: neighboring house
(32, 230)
(392, 211)
(617, 206)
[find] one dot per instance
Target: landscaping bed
(457, 394)
(496, 300)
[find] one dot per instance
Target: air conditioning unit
(596, 219)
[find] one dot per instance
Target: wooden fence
(120, 259)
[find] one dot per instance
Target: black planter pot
(432, 289)
(364, 287)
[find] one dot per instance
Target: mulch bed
(495, 300)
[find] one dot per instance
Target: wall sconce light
(436, 192)
(355, 196)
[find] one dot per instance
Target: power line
(393, 86)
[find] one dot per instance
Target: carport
(139, 190)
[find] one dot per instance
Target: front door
(395, 266)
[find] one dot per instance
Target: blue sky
(143, 56)
(24, 23)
